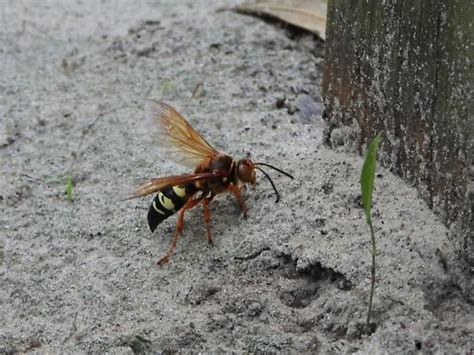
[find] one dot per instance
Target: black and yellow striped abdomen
(167, 202)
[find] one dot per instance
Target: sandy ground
(293, 277)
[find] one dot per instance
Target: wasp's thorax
(246, 171)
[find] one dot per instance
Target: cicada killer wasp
(214, 173)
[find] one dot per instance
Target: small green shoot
(69, 189)
(166, 86)
(367, 179)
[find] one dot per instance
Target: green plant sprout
(166, 86)
(69, 189)
(367, 178)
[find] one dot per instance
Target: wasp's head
(246, 171)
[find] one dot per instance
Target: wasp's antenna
(271, 166)
(271, 182)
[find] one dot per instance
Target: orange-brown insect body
(229, 171)
(214, 173)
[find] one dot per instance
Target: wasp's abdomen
(167, 202)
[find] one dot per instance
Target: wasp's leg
(236, 191)
(207, 217)
(179, 229)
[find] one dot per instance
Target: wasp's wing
(157, 184)
(177, 136)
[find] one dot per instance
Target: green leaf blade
(69, 189)
(367, 176)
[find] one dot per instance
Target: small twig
(31, 178)
(252, 255)
(194, 95)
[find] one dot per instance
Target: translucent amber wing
(157, 184)
(177, 137)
